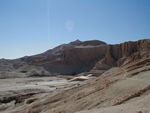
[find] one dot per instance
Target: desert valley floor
(118, 90)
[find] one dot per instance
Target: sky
(29, 27)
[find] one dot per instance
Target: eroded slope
(116, 89)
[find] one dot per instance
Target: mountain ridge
(77, 57)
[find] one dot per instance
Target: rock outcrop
(119, 54)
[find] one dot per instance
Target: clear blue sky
(30, 27)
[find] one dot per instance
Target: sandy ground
(16, 92)
(118, 90)
(45, 83)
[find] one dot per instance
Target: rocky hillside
(76, 57)
(124, 89)
(122, 84)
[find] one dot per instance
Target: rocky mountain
(76, 57)
(121, 84)
(123, 89)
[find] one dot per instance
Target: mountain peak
(76, 42)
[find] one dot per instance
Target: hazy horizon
(29, 27)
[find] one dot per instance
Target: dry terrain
(103, 79)
(18, 92)
(124, 89)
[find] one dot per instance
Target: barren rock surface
(117, 79)
(18, 92)
(76, 57)
(117, 90)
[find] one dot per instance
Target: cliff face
(77, 57)
(72, 58)
(117, 55)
